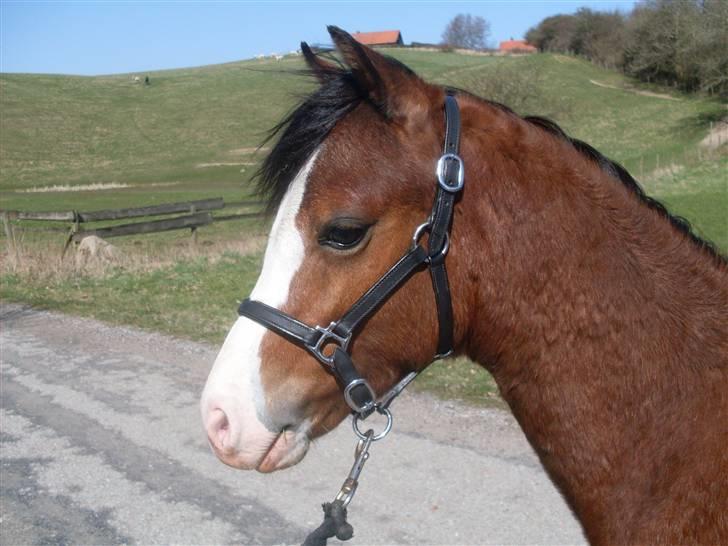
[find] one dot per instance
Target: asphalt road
(102, 444)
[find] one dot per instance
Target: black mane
(620, 173)
(306, 127)
(303, 130)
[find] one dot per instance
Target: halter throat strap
(330, 345)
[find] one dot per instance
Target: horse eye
(343, 236)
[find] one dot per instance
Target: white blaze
(234, 382)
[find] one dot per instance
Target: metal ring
(419, 231)
(443, 250)
(440, 171)
(363, 435)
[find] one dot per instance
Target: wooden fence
(192, 215)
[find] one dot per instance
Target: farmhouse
(383, 38)
(516, 46)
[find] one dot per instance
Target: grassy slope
(58, 129)
(66, 129)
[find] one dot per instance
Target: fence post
(193, 229)
(75, 228)
(10, 235)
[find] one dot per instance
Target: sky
(91, 37)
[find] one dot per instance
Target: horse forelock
(303, 130)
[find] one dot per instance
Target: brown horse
(602, 318)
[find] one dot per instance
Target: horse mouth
(288, 448)
(260, 449)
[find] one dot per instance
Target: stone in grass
(93, 251)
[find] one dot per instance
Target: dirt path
(101, 443)
(635, 91)
(717, 136)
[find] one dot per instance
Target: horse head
(351, 176)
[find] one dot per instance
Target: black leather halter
(320, 340)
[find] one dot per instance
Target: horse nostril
(218, 428)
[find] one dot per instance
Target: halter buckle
(328, 336)
(440, 171)
(367, 407)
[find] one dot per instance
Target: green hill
(193, 132)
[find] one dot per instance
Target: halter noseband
(357, 392)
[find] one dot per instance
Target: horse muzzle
(241, 441)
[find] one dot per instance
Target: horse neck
(596, 316)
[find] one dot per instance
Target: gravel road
(102, 444)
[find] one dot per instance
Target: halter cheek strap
(330, 345)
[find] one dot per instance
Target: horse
(602, 317)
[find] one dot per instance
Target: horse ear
(323, 70)
(391, 86)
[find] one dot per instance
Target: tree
(466, 31)
(662, 41)
(674, 42)
(711, 48)
(553, 34)
(599, 36)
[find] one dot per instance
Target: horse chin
(287, 450)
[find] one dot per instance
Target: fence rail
(154, 226)
(198, 214)
(155, 210)
(122, 214)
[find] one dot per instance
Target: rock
(93, 251)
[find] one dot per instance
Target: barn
(381, 38)
(516, 46)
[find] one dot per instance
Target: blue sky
(116, 37)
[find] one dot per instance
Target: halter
(320, 341)
(330, 344)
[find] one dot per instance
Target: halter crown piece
(357, 392)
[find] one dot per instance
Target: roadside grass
(193, 298)
(460, 379)
(193, 134)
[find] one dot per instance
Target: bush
(519, 87)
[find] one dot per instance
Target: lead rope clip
(335, 524)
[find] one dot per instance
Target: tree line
(683, 43)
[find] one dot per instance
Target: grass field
(193, 134)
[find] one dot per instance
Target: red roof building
(383, 38)
(516, 46)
